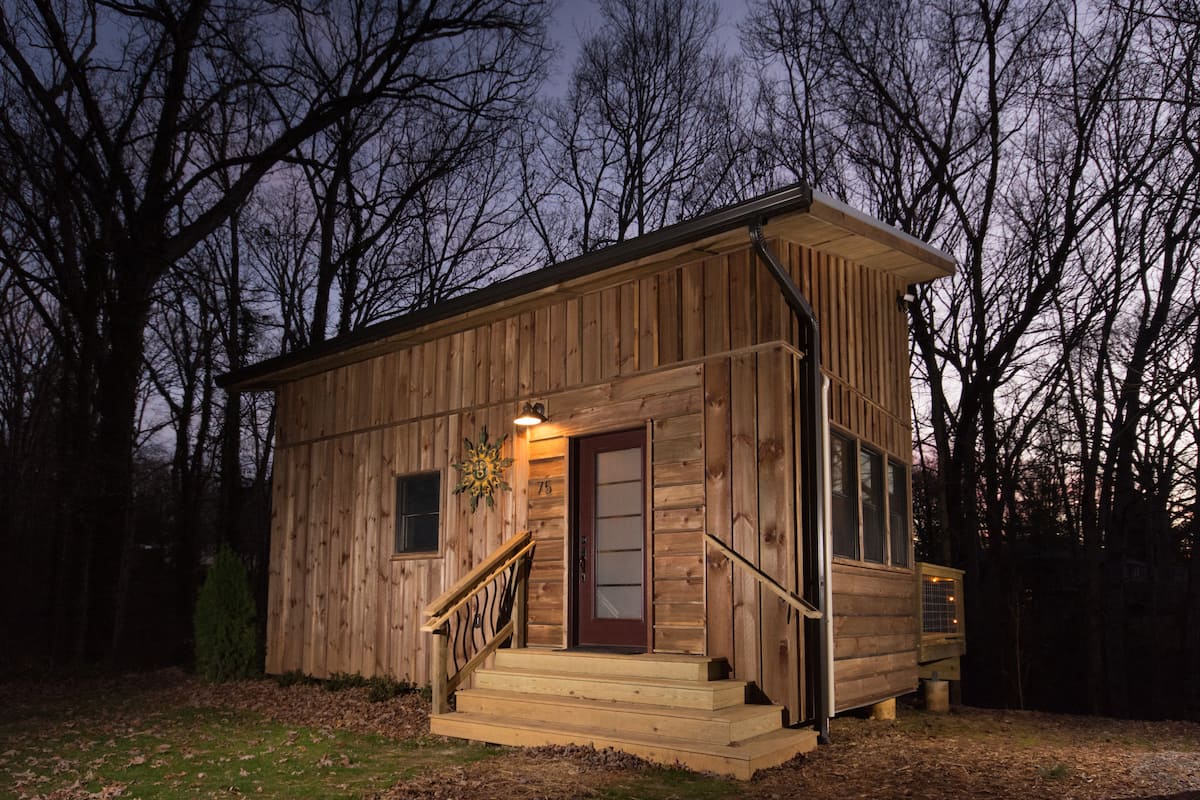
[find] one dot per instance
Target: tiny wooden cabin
(694, 494)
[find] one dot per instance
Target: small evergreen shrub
(294, 678)
(340, 681)
(381, 688)
(226, 639)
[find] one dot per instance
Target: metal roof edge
(853, 218)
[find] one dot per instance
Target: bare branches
(648, 132)
(132, 132)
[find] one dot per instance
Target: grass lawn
(206, 752)
(159, 745)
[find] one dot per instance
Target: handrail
(791, 598)
(463, 588)
(483, 610)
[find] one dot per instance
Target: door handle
(583, 542)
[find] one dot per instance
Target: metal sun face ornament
(481, 471)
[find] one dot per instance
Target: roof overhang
(796, 213)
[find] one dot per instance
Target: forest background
(190, 187)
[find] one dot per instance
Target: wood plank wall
(668, 403)
(751, 446)
(694, 352)
(875, 634)
(338, 600)
(864, 352)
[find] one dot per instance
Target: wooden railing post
(441, 697)
(519, 603)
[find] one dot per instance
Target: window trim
(397, 516)
(857, 444)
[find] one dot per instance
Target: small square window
(418, 504)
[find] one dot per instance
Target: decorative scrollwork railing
(476, 616)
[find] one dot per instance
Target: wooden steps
(666, 709)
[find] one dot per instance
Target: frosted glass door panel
(620, 533)
(619, 499)
(617, 553)
(619, 465)
(619, 568)
(619, 602)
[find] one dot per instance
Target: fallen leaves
(127, 723)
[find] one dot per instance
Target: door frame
(572, 539)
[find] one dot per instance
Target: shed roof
(796, 213)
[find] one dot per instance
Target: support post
(520, 605)
(441, 646)
(884, 710)
(937, 695)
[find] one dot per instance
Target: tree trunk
(118, 380)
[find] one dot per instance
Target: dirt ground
(969, 753)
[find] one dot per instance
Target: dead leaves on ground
(967, 754)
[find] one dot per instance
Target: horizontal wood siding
(875, 634)
(678, 520)
(669, 402)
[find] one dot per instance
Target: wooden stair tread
(649, 665)
(729, 713)
(719, 726)
(664, 708)
(741, 760)
(649, 691)
(664, 683)
(663, 658)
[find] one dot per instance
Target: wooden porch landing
(664, 708)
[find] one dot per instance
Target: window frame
(906, 517)
(879, 504)
(850, 480)
(401, 517)
(886, 462)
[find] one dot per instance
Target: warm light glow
(950, 598)
(531, 414)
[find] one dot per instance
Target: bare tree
(650, 130)
(1007, 133)
(106, 107)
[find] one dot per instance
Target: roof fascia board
(835, 212)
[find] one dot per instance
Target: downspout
(827, 556)
(811, 405)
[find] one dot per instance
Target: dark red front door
(610, 540)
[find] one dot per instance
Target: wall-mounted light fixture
(531, 414)
(903, 300)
